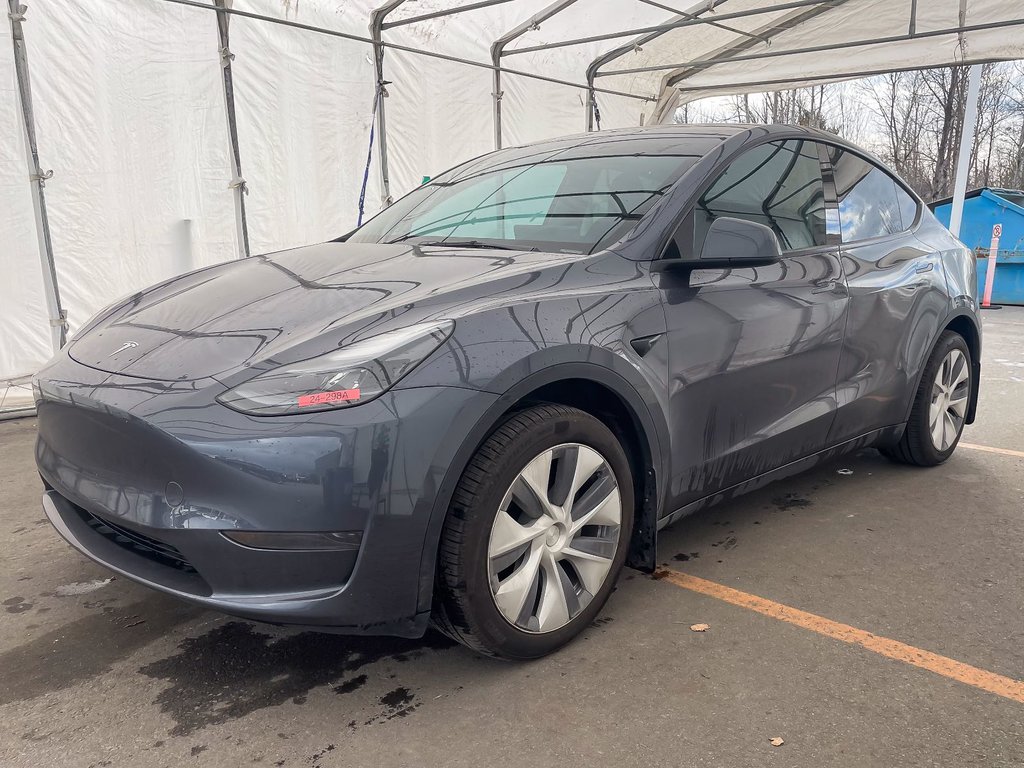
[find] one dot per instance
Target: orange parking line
(892, 649)
(989, 449)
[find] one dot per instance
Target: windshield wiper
(469, 244)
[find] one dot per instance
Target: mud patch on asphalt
(234, 670)
(682, 557)
(87, 647)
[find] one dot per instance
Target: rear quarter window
(871, 203)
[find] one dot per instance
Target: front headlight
(348, 376)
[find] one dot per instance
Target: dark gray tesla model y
(476, 408)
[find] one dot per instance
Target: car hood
(290, 305)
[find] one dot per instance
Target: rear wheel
(940, 406)
(536, 534)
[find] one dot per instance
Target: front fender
(516, 384)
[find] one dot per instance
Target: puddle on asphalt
(234, 669)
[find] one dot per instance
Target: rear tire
(524, 566)
(940, 406)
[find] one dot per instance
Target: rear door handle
(928, 267)
(823, 286)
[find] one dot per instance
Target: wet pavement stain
(17, 605)
(682, 557)
(85, 648)
(351, 685)
(790, 501)
(396, 699)
(397, 703)
(234, 670)
(316, 757)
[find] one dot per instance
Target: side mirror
(730, 242)
(738, 241)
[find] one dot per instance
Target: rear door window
(778, 185)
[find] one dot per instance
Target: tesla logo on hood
(123, 347)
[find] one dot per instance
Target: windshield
(574, 198)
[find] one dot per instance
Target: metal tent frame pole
(445, 12)
(57, 314)
(963, 162)
(237, 184)
(711, 62)
(409, 48)
(803, 81)
(689, 16)
(687, 21)
(498, 50)
(377, 19)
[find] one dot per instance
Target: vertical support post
(496, 50)
(377, 18)
(237, 183)
(57, 315)
(592, 109)
(963, 162)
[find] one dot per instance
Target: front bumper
(143, 477)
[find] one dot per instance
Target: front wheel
(940, 406)
(536, 534)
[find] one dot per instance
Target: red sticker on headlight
(323, 398)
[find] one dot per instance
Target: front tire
(940, 406)
(536, 534)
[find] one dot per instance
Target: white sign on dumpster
(997, 230)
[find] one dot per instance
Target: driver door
(753, 351)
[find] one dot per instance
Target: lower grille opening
(138, 543)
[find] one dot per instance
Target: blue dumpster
(983, 208)
(1008, 287)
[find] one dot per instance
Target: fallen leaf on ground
(844, 471)
(700, 627)
(776, 741)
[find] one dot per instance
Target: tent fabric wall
(304, 104)
(130, 113)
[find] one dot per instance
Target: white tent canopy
(185, 132)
